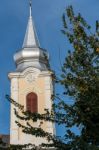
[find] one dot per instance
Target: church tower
(31, 85)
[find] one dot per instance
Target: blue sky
(47, 16)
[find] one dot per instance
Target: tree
(80, 79)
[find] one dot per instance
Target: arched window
(31, 102)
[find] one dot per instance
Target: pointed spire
(31, 55)
(30, 39)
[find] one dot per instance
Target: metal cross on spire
(30, 3)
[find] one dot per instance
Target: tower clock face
(30, 78)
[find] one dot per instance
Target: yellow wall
(37, 86)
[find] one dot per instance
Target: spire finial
(30, 8)
(31, 39)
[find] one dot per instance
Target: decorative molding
(31, 89)
(30, 78)
(23, 74)
(35, 71)
(14, 84)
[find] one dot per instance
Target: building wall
(31, 80)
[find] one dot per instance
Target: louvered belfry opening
(31, 102)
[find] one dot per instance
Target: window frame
(32, 102)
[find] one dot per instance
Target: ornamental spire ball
(30, 2)
(31, 8)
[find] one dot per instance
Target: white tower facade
(32, 81)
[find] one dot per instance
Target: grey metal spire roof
(31, 55)
(30, 39)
